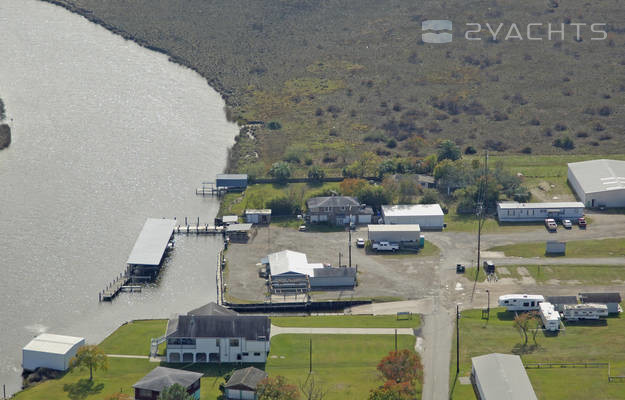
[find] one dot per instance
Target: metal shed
(598, 182)
(231, 181)
(501, 376)
(395, 233)
(50, 351)
(427, 216)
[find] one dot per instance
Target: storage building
(395, 233)
(243, 383)
(50, 351)
(160, 378)
(261, 217)
(500, 376)
(428, 216)
(611, 300)
(560, 301)
(231, 181)
(598, 182)
(511, 211)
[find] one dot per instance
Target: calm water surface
(105, 135)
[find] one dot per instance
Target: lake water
(104, 135)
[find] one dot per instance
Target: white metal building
(511, 211)
(287, 265)
(50, 351)
(428, 216)
(394, 233)
(598, 182)
(501, 376)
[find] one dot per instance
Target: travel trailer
(520, 302)
(549, 316)
(585, 311)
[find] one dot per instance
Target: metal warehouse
(394, 233)
(511, 211)
(501, 376)
(50, 351)
(598, 182)
(428, 216)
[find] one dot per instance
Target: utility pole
(309, 356)
(340, 254)
(350, 246)
(457, 339)
(395, 340)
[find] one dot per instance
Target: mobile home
(585, 311)
(508, 211)
(549, 316)
(521, 302)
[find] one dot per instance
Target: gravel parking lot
(406, 276)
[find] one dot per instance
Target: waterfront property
(262, 216)
(218, 339)
(510, 211)
(50, 351)
(428, 216)
(500, 376)
(598, 183)
(338, 210)
(151, 386)
(231, 182)
(243, 383)
(212, 308)
(239, 232)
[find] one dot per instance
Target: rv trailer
(585, 311)
(549, 316)
(520, 302)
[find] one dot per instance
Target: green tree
(175, 392)
(316, 174)
(283, 206)
(281, 171)
(89, 357)
(276, 388)
(403, 366)
(448, 150)
(374, 196)
(430, 196)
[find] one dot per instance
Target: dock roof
(152, 242)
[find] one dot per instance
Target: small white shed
(428, 216)
(50, 351)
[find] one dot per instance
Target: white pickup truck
(385, 246)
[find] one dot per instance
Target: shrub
(534, 121)
(581, 134)
(283, 206)
(274, 125)
(281, 171)
(470, 150)
(560, 127)
(565, 143)
(605, 111)
(316, 174)
(391, 144)
(526, 150)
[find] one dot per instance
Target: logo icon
(436, 25)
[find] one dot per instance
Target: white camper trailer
(549, 316)
(520, 302)
(585, 311)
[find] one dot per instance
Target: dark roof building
(212, 308)
(250, 327)
(611, 300)
(561, 299)
(246, 379)
(332, 202)
(151, 385)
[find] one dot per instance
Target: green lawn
(344, 364)
(468, 223)
(348, 321)
(134, 337)
(594, 342)
(577, 274)
(577, 249)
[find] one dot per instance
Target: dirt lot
(405, 276)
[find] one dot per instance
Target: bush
(391, 144)
(316, 174)
(281, 171)
(283, 206)
(274, 125)
(470, 150)
(526, 150)
(605, 111)
(565, 143)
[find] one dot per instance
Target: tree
(448, 150)
(281, 171)
(373, 196)
(175, 392)
(89, 357)
(316, 174)
(430, 196)
(523, 323)
(401, 366)
(351, 186)
(276, 388)
(386, 393)
(312, 390)
(282, 206)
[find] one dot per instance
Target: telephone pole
(457, 339)
(309, 356)
(350, 247)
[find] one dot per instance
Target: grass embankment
(344, 364)
(558, 274)
(348, 321)
(592, 342)
(574, 249)
(131, 339)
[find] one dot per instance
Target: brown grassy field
(343, 77)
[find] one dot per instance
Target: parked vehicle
(385, 246)
(521, 302)
(567, 223)
(303, 228)
(576, 312)
(360, 242)
(549, 316)
(460, 269)
(551, 225)
(582, 223)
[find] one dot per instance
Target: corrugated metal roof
(395, 228)
(502, 376)
(161, 377)
(246, 378)
(599, 175)
(50, 343)
(288, 261)
(407, 210)
(152, 242)
(504, 205)
(264, 211)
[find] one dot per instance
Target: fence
(611, 378)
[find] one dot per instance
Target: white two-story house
(218, 338)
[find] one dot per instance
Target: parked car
(460, 268)
(551, 225)
(582, 223)
(360, 242)
(567, 223)
(303, 228)
(385, 246)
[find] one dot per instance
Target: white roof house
(428, 216)
(598, 182)
(511, 211)
(50, 351)
(291, 262)
(501, 376)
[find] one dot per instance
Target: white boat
(520, 302)
(585, 311)
(549, 316)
